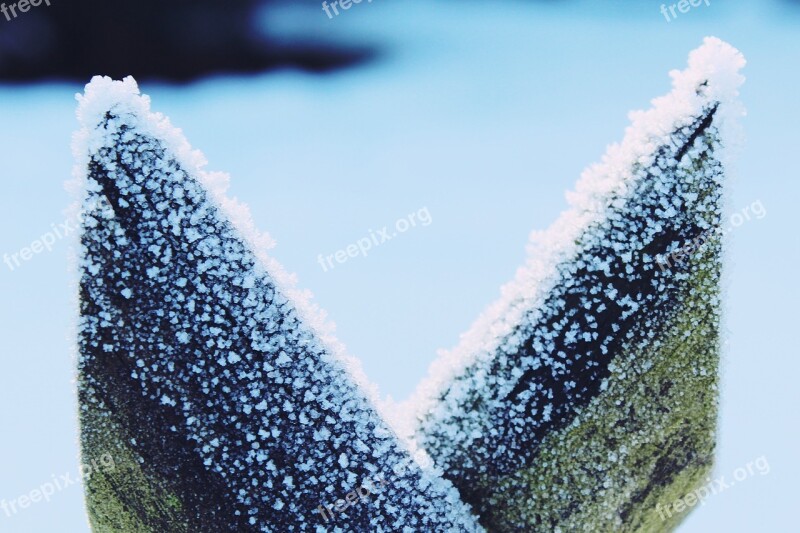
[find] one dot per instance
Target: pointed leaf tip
(197, 373)
(103, 94)
(713, 73)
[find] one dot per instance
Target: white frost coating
(102, 94)
(717, 64)
(231, 337)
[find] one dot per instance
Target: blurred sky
(485, 113)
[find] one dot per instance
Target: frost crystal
(587, 394)
(181, 326)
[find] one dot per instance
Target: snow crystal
(535, 358)
(216, 322)
(343, 462)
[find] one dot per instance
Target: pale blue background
(485, 113)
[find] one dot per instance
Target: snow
(489, 402)
(715, 64)
(435, 62)
(252, 335)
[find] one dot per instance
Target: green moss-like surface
(123, 497)
(647, 440)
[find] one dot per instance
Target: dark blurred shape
(173, 40)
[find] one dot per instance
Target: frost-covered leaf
(225, 405)
(587, 395)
